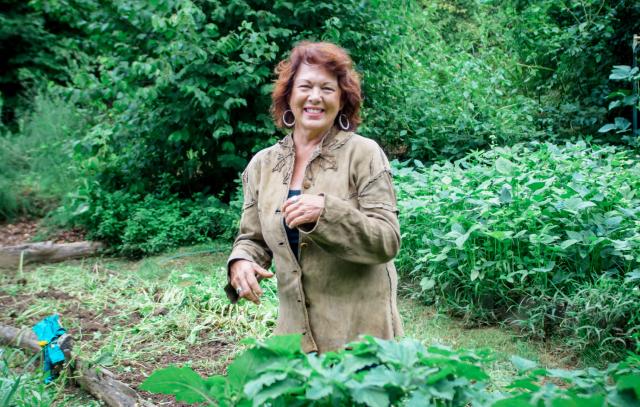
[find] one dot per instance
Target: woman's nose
(315, 93)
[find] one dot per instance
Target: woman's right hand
(244, 276)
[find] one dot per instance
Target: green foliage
(35, 51)
(37, 164)
(603, 315)
(138, 225)
(623, 99)
(523, 231)
(181, 88)
(20, 385)
(440, 82)
(376, 372)
(566, 49)
(373, 373)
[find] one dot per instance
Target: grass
(21, 384)
(134, 317)
(427, 325)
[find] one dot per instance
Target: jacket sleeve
(369, 234)
(249, 244)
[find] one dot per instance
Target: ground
(26, 230)
(137, 316)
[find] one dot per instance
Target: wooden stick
(96, 380)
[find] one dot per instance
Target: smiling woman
(321, 204)
(315, 100)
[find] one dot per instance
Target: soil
(83, 323)
(25, 230)
(141, 370)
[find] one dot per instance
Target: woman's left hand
(302, 209)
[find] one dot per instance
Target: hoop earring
(343, 126)
(284, 118)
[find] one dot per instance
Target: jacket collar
(333, 141)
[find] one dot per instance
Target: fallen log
(96, 380)
(10, 256)
(19, 338)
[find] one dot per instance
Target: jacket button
(303, 245)
(306, 185)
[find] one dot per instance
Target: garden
(511, 128)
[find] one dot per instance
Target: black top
(292, 234)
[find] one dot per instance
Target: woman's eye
(328, 89)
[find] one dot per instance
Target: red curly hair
(329, 56)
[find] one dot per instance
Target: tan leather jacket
(345, 282)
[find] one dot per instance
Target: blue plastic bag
(48, 331)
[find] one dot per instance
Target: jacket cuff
(333, 208)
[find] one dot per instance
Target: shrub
(622, 100)
(441, 82)
(567, 49)
(37, 164)
(138, 225)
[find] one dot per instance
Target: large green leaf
(182, 382)
(630, 382)
(279, 389)
(371, 396)
(523, 364)
(504, 166)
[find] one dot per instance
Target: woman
(321, 204)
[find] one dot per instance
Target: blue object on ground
(48, 331)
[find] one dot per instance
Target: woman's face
(315, 99)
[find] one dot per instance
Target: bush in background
(441, 81)
(37, 164)
(138, 225)
(566, 51)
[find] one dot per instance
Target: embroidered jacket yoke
(344, 282)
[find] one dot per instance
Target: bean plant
(375, 372)
(522, 233)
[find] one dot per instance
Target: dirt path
(26, 230)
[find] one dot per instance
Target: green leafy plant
(20, 384)
(373, 373)
(621, 99)
(516, 233)
(376, 372)
(138, 225)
